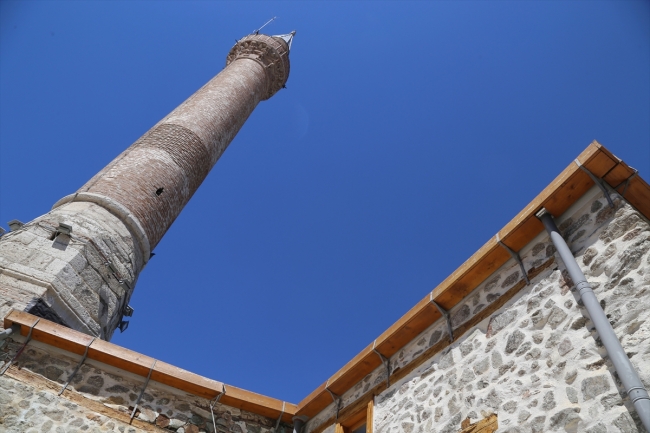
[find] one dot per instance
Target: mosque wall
(101, 398)
(536, 362)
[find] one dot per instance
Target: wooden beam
(73, 341)
(370, 415)
(486, 425)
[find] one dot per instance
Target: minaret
(78, 264)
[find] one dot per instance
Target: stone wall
(537, 361)
(101, 398)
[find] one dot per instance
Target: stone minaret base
(82, 280)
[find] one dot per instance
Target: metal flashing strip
(20, 351)
(277, 424)
(83, 359)
(445, 314)
(335, 398)
(146, 382)
(626, 182)
(74, 342)
(515, 255)
(214, 402)
(597, 181)
(384, 361)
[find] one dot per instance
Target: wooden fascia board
(187, 381)
(315, 401)
(424, 313)
(73, 341)
(638, 193)
(571, 184)
(257, 403)
(367, 360)
(340, 381)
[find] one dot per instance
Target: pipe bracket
(515, 255)
(446, 315)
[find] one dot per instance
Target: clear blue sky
(409, 134)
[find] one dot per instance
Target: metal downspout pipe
(7, 332)
(299, 423)
(626, 372)
(14, 329)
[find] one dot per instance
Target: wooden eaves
(557, 197)
(116, 356)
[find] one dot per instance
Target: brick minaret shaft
(84, 277)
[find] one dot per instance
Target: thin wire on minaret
(257, 32)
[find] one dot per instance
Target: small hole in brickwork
(53, 236)
(159, 191)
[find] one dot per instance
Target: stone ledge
(117, 209)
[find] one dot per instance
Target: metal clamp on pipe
(624, 368)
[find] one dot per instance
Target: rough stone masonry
(84, 278)
(537, 361)
(101, 398)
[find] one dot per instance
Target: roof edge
(571, 184)
(75, 342)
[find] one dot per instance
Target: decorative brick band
(155, 178)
